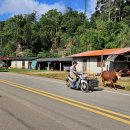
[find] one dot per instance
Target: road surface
(35, 103)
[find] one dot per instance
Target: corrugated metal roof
(53, 59)
(117, 51)
(23, 58)
(3, 58)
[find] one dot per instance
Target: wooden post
(48, 68)
(0, 49)
(101, 63)
(39, 67)
(60, 66)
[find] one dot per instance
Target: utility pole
(0, 48)
(102, 62)
(85, 3)
(0, 43)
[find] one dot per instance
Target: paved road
(34, 103)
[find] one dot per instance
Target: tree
(27, 53)
(105, 7)
(58, 34)
(126, 12)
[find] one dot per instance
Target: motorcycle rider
(74, 73)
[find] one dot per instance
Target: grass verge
(2, 69)
(125, 83)
(23, 71)
(54, 75)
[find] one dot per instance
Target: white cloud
(91, 7)
(14, 7)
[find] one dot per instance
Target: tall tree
(105, 8)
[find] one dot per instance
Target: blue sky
(9, 8)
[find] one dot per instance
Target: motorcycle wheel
(84, 87)
(68, 83)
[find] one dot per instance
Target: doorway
(23, 64)
(84, 65)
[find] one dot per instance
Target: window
(99, 63)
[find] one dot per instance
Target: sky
(9, 8)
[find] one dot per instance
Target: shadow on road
(116, 86)
(97, 89)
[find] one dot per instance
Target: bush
(3, 69)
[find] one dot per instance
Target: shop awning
(111, 57)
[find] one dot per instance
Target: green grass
(2, 69)
(54, 75)
(125, 83)
(23, 70)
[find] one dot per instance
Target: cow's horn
(120, 70)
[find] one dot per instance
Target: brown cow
(112, 76)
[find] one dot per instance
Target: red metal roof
(117, 51)
(5, 58)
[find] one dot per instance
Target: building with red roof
(98, 60)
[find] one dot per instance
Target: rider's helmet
(74, 62)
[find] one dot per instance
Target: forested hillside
(57, 34)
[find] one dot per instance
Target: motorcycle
(83, 83)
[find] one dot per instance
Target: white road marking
(125, 94)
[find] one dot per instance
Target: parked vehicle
(83, 83)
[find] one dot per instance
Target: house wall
(91, 65)
(13, 64)
(26, 64)
(18, 64)
(79, 65)
(92, 68)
